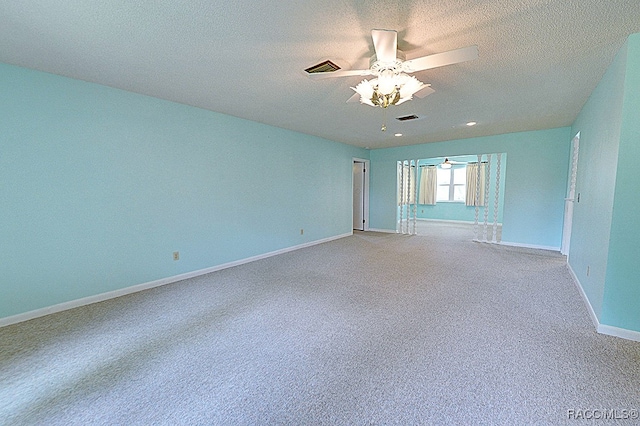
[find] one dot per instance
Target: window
(452, 183)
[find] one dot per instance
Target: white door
(358, 195)
(570, 200)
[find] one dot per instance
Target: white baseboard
(585, 299)
(623, 333)
(531, 246)
(151, 284)
(461, 222)
(602, 328)
(388, 231)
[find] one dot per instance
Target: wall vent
(407, 117)
(326, 66)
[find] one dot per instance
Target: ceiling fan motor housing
(377, 66)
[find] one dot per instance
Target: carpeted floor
(370, 329)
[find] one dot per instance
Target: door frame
(365, 191)
(569, 201)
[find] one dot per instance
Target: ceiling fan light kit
(388, 89)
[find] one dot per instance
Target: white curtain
(471, 198)
(428, 185)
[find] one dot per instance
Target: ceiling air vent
(326, 66)
(407, 117)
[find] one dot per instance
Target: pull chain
(384, 120)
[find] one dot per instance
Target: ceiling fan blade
(385, 42)
(424, 92)
(441, 59)
(354, 98)
(339, 73)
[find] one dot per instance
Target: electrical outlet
(302, 232)
(176, 255)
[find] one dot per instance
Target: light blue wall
(458, 211)
(449, 211)
(606, 230)
(621, 303)
(98, 187)
(535, 181)
(599, 124)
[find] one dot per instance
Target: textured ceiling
(538, 59)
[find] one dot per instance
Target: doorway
(360, 194)
(444, 194)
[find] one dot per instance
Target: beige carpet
(370, 329)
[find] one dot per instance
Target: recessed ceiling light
(471, 123)
(398, 134)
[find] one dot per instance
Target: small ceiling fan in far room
(446, 164)
(392, 85)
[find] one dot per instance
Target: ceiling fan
(393, 85)
(446, 164)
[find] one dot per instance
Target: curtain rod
(436, 165)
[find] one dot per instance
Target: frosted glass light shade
(388, 89)
(410, 86)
